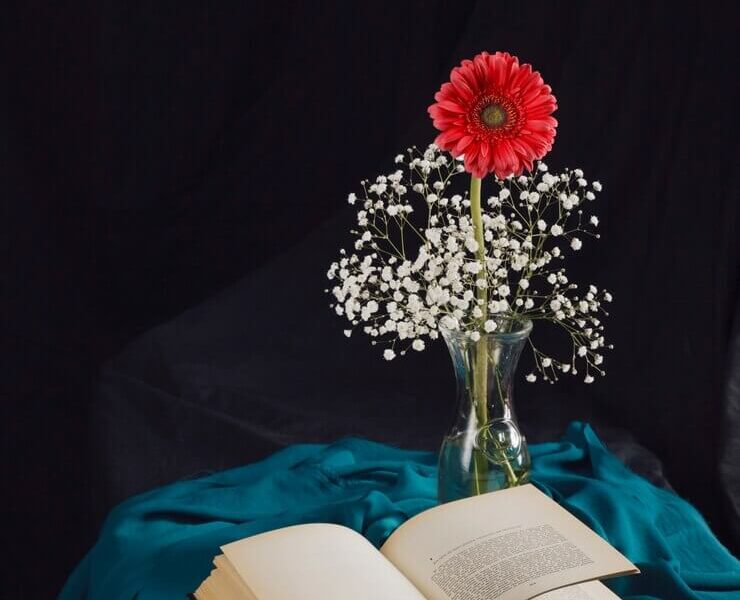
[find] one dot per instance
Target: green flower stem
(480, 383)
(480, 368)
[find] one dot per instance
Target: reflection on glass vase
(484, 450)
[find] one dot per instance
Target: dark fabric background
(154, 153)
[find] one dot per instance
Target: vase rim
(525, 328)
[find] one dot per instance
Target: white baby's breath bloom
(588, 379)
(531, 377)
(519, 261)
(471, 244)
(549, 179)
(409, 277)
(473, 267)
(490, 326)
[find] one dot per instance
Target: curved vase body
(484, 450)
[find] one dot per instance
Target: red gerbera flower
(497, 113)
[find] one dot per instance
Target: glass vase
(484, 450)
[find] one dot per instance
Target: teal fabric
(159, 545)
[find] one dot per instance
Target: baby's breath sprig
(416, 263)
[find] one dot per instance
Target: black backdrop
(152, 154)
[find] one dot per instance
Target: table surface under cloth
(159, 545)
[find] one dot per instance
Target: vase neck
(485, 370)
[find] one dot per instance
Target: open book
(513, 544)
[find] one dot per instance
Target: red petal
(463, 144)
(484, 166)
(508, 154)
(447, 139)
(461, 86)
(451, 106)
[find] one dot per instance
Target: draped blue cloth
(159, 545)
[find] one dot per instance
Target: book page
(508, 545)
(220, 586)
(235, 582)
(221, 589)
(316, 562)
(591, 590)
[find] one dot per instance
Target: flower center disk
(494, 116)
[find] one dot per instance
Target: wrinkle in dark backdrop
(157, 153)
